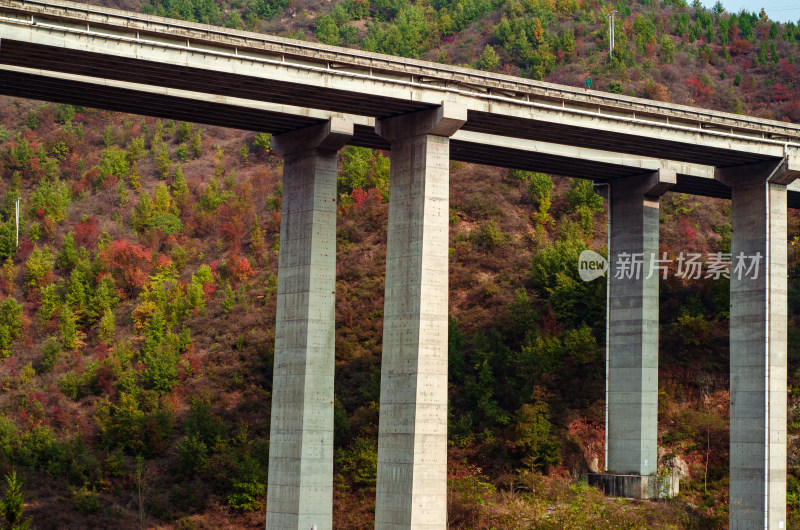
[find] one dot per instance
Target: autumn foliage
(128, 263)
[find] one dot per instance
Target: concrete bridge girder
(594, 162)
(489, 113)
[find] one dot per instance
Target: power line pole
(611, 32)
(17, 201)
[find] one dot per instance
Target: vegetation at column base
(137, 314)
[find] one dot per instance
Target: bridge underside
(226, 111)
(105, 66)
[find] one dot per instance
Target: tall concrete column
(758, 344)
(412, 443)
(632, 349)
(300, 483)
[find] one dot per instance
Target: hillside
(137, 313)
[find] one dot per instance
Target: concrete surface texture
(300, 482)
(632, 378)
(758, 345)
(412, 443)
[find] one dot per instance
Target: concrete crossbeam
(282, 111)
(412, 443)
(300, 483)
(632, 349)
(758, 344)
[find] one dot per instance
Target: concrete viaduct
(315, 99)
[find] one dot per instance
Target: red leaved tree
(87, 232)
(701, 91)
(127, 263)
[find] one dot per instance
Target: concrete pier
(758, 344)
(412, 443)
(632, 349)
(300, 483)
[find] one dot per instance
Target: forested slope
(137, 313)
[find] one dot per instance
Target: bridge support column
(412, 443)
(758, 344)
(632, 348)
(300, 483)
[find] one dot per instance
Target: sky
(778, 10)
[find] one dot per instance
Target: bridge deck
(74, 53)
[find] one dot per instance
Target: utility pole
(611, 32)
(17, 201)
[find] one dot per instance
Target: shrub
(667, 49)
(490, 236)
(51, 199)
(9, 439)
(86, 502)
(248, 496)
(161, 367)
(701, 86)
(327, 31)
(531, 436)
(581, 193)
(78, 385)
(184, 131)
(8, 239)
(695, 329)
(135, 149)
(69, 328)
(140, 426)
(359, 462)
(554, 272)
(106, 326)
(69, 254)
(197, 144)
(192, 454)
(656, 91)
(355, 169)
(182, 153)
(39, 449)
(113, 161)
(180, 189)
(262, 142)
(167, 223)
(39, 267)
(64, 113)
(488, 60)
(162, 161)
(10, 324)
(203, 424)
(212, 197)
(51, 350)
(540, 187)
(615, 87)
(228, 298)
(13, 506)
